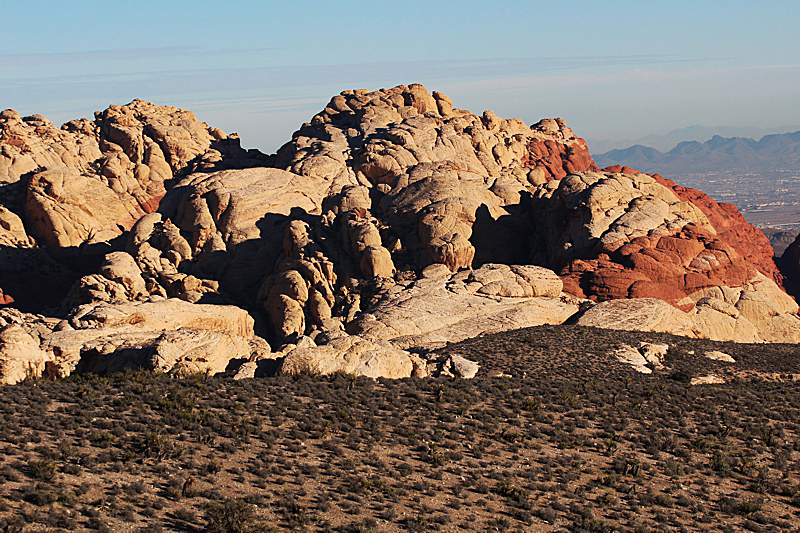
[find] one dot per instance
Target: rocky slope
(390, 224)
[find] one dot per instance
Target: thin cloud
(96, 56)
(292, 76)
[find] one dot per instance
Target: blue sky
(611, 70)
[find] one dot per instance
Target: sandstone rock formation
(77, 188)
(390, 224)
(757, 311)
(166, 335)
(354, 355)
(448, 307)
(615, 235)
(20, 355)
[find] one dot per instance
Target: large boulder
(184, 351)
(353, 355)
(123, 327)
(639, 314)
(20, 355)
(69, 211)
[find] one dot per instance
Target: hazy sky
(611, 70)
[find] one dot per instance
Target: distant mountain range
(769, 153)
(698, 133)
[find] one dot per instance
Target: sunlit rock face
(390, 223)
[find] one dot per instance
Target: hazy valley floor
(568, 439)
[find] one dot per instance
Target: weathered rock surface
(392, 221)
(716, 355)
(732, 229)
(353, 355)
(639, 314)
(102, 336)
(631, 356)
(90, 181)
(20, 355)
(710, 379)
(68, 210)
(12, 231)
(461, 367)
(434, 311)
(182, 352)
(446, 179)
(757, 311)
(628, 236)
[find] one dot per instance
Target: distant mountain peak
(717, 152)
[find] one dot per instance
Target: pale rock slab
(711, 379)
(246, 371)
(629, 355)
(432, 312)
(716, 355)
(639, 314)
(460, 367)
(654, 353)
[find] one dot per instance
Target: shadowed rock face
(78, 188)
(392, 222)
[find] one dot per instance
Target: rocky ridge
(392, 223)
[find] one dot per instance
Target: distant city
(767, 199)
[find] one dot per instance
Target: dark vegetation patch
(572, 441)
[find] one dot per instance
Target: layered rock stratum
(392, 223)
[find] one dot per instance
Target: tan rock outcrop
(639, 314)
(444, 170)
(102, 336)
(352, 355)
(20, 355)
(12, 231)
(180, 352)
(710, 379)
(163, 315)
(30, 143)
(68, 210)
(227, 205)
(434, 311)
(758, 311)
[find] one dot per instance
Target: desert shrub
(159, 446)
(43, 469)
(230, 516)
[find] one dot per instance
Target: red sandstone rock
(558, 158)
(5, 299)
(732, 229)
(661, 241)
(729, 223)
